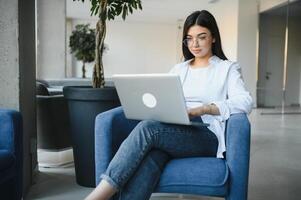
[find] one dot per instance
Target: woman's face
(199, 41)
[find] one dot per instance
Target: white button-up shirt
(219, 83)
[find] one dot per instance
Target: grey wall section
(247, 43)
(9, 57)
(51, 41)
(27, 71)
(17, 66)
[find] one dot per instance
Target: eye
(202, 37)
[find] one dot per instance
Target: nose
(195, 43)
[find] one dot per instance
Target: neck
(201, 61)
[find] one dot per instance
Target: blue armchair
(213, 177)
(10, 155)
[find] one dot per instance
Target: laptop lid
(152, 96)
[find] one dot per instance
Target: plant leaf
(124, 12)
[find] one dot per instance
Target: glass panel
(272, 27)
(293, 76)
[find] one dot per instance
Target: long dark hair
(205, 19)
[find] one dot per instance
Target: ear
(213, 40)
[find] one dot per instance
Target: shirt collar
(214, 59)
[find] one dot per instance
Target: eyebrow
(198, 34)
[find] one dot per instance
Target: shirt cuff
(223, 110)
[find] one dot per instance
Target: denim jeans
(136, 167)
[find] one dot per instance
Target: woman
(213, 89)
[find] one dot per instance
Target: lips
(196, 51)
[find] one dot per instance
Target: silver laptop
(153, 97)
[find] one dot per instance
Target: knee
(159, 158)
(147, 126)
(146, 129)
(148, 123)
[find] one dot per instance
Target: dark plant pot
(84, 104)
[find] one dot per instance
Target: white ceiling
(163, 11)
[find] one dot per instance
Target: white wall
(51, 33)
(247, 43)
(136, 47)
(140, 47)
(226, 15)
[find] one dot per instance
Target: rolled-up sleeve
(238, 99)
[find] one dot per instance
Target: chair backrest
(11, 139)
(44, 82)
(41, 89)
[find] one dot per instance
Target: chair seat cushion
(6, 159)
(198, 175)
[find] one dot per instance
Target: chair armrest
(238, 155)
(111, 128)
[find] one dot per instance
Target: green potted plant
(82, 45)
(85, 103)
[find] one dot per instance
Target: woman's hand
(210, 109)
(198, 111)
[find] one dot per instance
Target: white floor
(275, 167)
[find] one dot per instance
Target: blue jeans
(136, 167)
